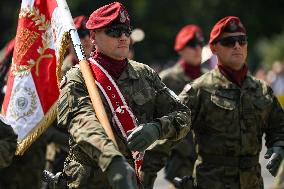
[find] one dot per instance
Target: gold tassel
(64, 43)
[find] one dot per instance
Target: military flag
(41, 40)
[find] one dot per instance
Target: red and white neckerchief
(122, 116)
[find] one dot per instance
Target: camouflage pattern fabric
(228, 123)
(183, 156)
(25, 171)
(91, 151)
(8, 144)
(175, 78)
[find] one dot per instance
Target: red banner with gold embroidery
(32, 88)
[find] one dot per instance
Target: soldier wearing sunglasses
(231, 111)
(188, 44)
(140, 108)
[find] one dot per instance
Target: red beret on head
(108, 14)
(228, 24)
(186, 34)
(80, 22)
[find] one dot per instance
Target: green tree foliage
(162, 19)
(271, 50)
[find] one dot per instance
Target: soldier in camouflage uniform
(94, 161)
(8, 143)
(231, 110)
(188, 45)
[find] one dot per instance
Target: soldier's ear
(213, 48)
(93, 36)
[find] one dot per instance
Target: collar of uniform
(225, 83)
(129, 72)
(249, 83)
(222, 81)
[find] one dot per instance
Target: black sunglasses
(194, 43)
(117, 31)
(231, 41)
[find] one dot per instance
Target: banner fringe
(64, 43)
(34, 134)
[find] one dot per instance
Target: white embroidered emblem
(123, 17)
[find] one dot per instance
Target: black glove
(143, 136)
(275, 156)
(121, 175)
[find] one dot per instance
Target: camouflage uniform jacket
(183, 155)
(91, 149)
(8, 143)
(228, 123)
(25, 171)
(175, 77)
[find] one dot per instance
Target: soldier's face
(114, 47)
(191, 55)
(231, 50)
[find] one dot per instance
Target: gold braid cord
(64, 43)
(44, 123)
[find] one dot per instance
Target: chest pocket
(262, 105)
(143, 104)
(223, 102)
(219, 112)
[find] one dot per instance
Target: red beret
(186, 34)
(228, 24)
(114, 12)
(80, 22)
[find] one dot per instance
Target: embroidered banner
(32, 91)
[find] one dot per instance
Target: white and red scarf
(123, 118)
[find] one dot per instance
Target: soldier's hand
(121, 175)
(140, 138)
(275, 156)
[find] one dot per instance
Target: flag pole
(87, 74)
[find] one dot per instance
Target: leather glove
(121, 175)
(275, 156)
(140, 138)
